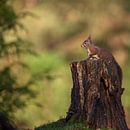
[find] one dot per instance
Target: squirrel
(95, 51)
(100, 53)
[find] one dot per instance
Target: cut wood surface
(96, 94)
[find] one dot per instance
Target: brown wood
(96, 94)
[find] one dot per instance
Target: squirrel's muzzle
(84, 45)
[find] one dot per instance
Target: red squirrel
(100, 53)
(95, 51)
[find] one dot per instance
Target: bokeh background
(38, 41)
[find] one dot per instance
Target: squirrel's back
(104, 53)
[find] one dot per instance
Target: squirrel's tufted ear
(89, 39)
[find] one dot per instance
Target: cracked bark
(96, 94)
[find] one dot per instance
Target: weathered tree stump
(96, 94)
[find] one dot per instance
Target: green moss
(60, 125)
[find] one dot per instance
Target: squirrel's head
(87, 42)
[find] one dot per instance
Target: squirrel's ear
(89, 39)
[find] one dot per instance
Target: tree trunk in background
(96, 94)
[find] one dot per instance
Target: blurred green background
(38, 41)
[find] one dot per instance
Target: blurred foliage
(52, 93)
(12, 46)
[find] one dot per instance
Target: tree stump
(96, 94)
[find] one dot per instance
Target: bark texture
(96, 94)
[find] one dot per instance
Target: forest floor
(60, 125)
